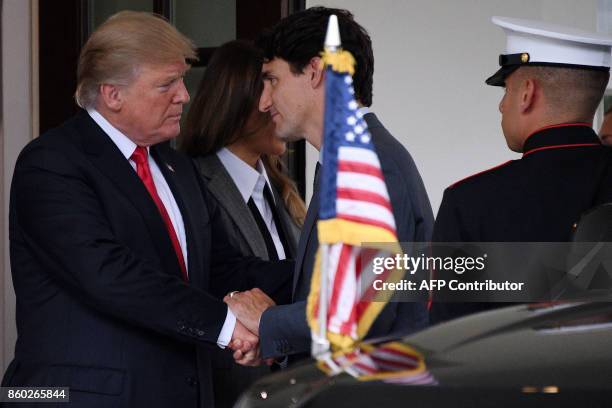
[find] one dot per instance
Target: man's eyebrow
(168, 79)
(173, 77)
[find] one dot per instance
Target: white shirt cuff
(227, 330)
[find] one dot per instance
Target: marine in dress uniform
(564, 169)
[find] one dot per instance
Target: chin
(286, 134)
(289, 137)
(171, 133)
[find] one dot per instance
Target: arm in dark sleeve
(421, 207)
(283, 330)
(58, 217)
(448, 228)
(447, 225)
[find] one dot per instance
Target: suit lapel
(372, 120)
(308, 233)
(106, 156)
(223, 188)
(181, 193)
(286, 224)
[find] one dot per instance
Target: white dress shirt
(250, 182)
(127, 148)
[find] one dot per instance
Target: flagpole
(320, 344)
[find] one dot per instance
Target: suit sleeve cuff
(225, 336)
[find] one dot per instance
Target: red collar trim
(479, 173)
(560, 125)
(560, 147)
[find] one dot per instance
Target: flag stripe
(362, 168)
(341, 272)
(369, 294)
(397, 353)
(358, 154)
(344, 319)
(365, 368)
(333, 254)
(352, 180)
(364, 195)
(366, 211)
(419, 379)
(366, 257)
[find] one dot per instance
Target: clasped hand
(248, 307)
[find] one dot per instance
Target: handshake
(248, 307)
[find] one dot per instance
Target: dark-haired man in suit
(294, 93)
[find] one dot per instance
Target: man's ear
(111, 97)
(316, 72)
(529, 95)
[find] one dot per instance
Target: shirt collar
(123, 143)
(244, 176)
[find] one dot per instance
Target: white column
(16, 131)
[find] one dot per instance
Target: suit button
(181, 326)
(191, 381)
(201, 333)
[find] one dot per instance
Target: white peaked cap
(530, 42)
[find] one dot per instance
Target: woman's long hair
(227, 97)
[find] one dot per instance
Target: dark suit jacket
(101, 306)
(231, 379)
(283, 329)
(564, 171)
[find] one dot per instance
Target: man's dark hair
(299, 37)
(573, 93)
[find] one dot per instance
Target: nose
(265, 100)
(181, 96)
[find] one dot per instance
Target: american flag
(393, 362)
(354, 209)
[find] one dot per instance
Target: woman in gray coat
(238, 154)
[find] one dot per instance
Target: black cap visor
(499, 78)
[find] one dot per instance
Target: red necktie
(140, 157)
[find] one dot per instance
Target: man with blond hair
(112, 248)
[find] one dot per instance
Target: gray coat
(241, 226)
(229, 379)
